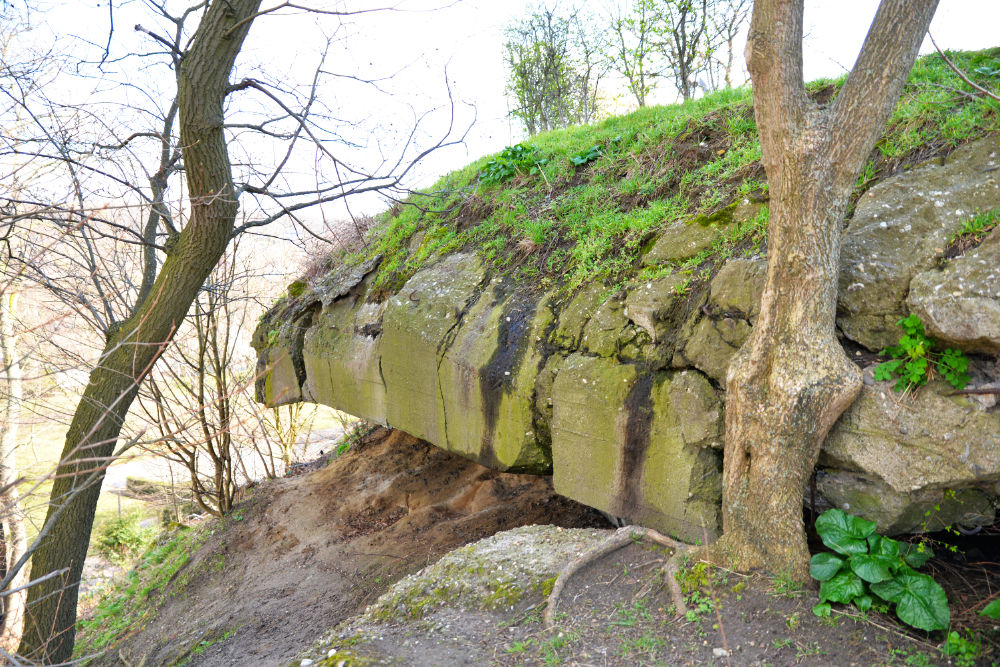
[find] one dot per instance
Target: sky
(412, 50)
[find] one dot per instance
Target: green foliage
(963, 650)
(992, 610)
(991, 70)
(869, 570)
(914, 357)
(978, 226)
(512, 161)
(124, 538)
(580, 159)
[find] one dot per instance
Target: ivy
(870, 570)
(914, 358)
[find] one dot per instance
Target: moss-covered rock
(620, 444)
(900, 228)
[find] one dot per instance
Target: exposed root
(621, 538)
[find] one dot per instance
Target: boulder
(960, 304)
(900, 228)
(639, 445)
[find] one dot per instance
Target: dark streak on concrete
(628, 485)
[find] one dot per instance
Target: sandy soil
(304, 553)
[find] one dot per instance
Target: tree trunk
(791, 380)
(15, 539)
(130, 351)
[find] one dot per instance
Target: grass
(129, 604)
(570, 224)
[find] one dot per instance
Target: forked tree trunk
(202, 82)
(791, 380)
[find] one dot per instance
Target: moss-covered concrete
(620, 444)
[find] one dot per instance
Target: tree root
(618, 540)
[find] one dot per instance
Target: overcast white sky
(467, 37)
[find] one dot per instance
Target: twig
(962, 75)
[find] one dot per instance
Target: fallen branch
(618, 540)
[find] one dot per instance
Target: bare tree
(681, 34)
(134, 279)
(791, 379)
(726, 19)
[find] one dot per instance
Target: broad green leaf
(822, 609)
(863, 602)
(916, 555)
(992, 609)
(842, 588)
(844, 533)
(885, 371)
(873, 569)
(823, 566)
(882, 546)
(923, 603)
(890, 590)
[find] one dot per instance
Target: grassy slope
(567, 225)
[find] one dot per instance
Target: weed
(782, 643)
(977, 227)
(628, 617)
(783, 584)
(512, 161)
(519, 646)
(962, 649)
(699, 605)
(123, 538)
(913, 358)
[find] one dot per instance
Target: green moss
(296, 289)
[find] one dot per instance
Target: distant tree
(726, 19)
(553, 71)
(682, 41)
(631, 47)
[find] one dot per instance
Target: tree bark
(202, 81)
(14, 536)
(791, 380)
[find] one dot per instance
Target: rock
(648, 304)
(620, 444)
(717, 331)
(573, 317)
(685, 239)
(419, 323)
(342, 356)
(922, 441)
(960, 304)
(895, 512)
(900, 227)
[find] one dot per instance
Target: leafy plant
(868, 568)
(513, 160)
(124, 538)
(914, 357)
(591, 154)
(963, 650)
(992, 610)
(991, 70)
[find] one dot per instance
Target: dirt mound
(303, 554)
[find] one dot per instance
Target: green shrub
(124, 538)
(874, 570)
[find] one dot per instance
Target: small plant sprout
(914, 358)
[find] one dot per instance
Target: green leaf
(873, 569)
(911, 324)
(844, 533)
(916, 555)
(822, 567)
(886, 370)
(923, 603)
(822, 609)
(992, 609)
(883, 546)
(842, 588)
(863, 602)
(890, 590)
